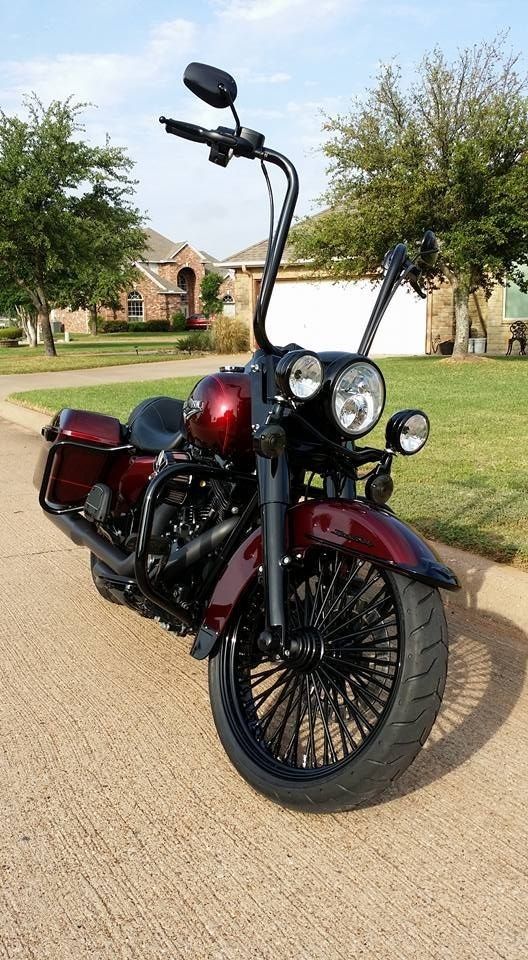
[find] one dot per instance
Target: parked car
(198, 321)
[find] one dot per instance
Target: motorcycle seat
(156, 424)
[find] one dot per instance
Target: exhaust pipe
(83, 533)
(181, 558)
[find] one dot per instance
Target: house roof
(159, 248)
(165, 286)
(255, 255)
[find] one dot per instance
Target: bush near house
(178, 321)
(228, 335)
(114, 326)
(149, 326)
(11, 333)
(136, 326)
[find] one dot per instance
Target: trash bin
(480, 344)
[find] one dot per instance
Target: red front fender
(352, 525)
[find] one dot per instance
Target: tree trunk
(461, 291)
(47, 335)
(29, 325)
(92, 322)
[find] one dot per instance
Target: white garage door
(333, 316)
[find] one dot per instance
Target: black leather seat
(156, 424)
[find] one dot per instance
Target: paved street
(125, 832)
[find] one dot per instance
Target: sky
(294, 61)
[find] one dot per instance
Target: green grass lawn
(469, 485)
(86, 351)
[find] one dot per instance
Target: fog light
(407, 431)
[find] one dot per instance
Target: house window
(515, 301)
(135, 306)
(228, 298)
(182, 282)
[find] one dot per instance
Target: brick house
(317, 312)
(169, 278)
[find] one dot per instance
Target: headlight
(299, 375)
(358, 398)
(407, 431)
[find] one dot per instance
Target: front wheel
(335, 724)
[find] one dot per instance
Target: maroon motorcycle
(234, 517)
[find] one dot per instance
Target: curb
(491, 589)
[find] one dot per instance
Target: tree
(209, 288)
(449, 152)
(60, 198)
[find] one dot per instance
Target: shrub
(178, 321)
(228, 335)
(194, 343)
(149, 326)
(114, 326)
(11, 333)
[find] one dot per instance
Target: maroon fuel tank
(217, 413)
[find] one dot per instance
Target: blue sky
(292, 60)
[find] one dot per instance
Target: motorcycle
(235, 517)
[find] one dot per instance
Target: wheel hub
(305, 648)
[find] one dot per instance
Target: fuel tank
(217, 414)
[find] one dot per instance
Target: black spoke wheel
(325, 726)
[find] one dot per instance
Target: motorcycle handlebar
(191, 131)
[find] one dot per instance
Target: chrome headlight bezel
(290, 364)
(377, 396)
(398, 427)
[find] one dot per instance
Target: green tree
(209, 288)
(65, 210)
(450, 152)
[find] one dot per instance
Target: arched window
(228, 298)
(182, 282)
(135, 306)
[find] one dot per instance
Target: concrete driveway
(125, 832)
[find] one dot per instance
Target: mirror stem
(232, 108)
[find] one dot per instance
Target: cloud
(102, 78)
(257, 10)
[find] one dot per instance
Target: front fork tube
(273, 479)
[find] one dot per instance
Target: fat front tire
(333, 727)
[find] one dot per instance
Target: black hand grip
(189, 131)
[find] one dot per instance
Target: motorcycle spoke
(370, 609)
(276, 739)
(364, 726)
(343, 729)
(329, 592)
(264, 676)
(262, 697)
(365, 632)
(357, 687)
(328, 742)
(311, 723)
(325, 626)
(293, 746)
(266, 718)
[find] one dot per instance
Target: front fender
(355, 526)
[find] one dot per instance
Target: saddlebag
(79, 451)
